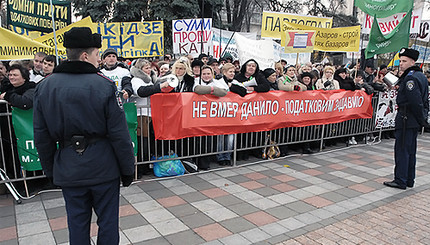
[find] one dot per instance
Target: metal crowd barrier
(191, 148)
(196, 147)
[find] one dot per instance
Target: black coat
(347, 83)
(22, 96)
(412, 99)
(262, 83)
(77, 100)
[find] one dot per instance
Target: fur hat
(411, 53)
(82, 37)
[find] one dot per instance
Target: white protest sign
(225, 36)
(387, 109)
(386, 25)
(279, 53)
(424, 34)
(189, 34)
(255, 49)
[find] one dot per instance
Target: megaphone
(172, 80)
(250, 83)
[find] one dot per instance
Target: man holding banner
(77, 109)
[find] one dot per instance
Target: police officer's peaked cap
(82, 37)
(108, 52)
(411, 53)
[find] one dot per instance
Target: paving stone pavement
(333, 197)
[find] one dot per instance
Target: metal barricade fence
(191, 148)
(196, 147)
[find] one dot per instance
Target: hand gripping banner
(180, 115)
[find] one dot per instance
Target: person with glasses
(327, 82)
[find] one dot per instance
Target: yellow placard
(133, 39)
(272, 22)
(299, 41)
(341, 39)
(48, 39)
(25, 32)
(16, 47)
(129, 39)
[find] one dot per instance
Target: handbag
(169, 167)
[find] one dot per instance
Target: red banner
(180, 115)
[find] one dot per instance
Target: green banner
(393, 42)
(131, 116)
(22, 121)
(36, 15)
(384, 8)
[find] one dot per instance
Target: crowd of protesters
(138, 79)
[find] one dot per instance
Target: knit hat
(197, 63)
(268, 71)
(108, 52)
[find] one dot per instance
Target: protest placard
(133, 39)
(16, 47)
(341, 39)
(223, 42)
(36, 15)
(192, 36)
(272, 22)
(299, 41)
(259, 50)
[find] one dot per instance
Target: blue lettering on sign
(192, 25)
(133, 29)
(109, 29)
(175, 23)
(147, 30)
(155, 26)
(129, 39)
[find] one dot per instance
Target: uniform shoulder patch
(410, 85)
(118, 95)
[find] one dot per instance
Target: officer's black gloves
(328, 83)
(126, 180)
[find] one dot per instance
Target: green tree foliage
(98, 10)
(125, 11)
(334, 9)
(168, 10)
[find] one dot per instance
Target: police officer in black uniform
(413, 106)
(81, 135)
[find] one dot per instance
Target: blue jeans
(225, 143)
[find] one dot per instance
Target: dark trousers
(405, 150)
(80, 201)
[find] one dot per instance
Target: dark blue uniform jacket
(412, 99)
(77, 100)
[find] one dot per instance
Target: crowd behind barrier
(196, 148)
(139, 79)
